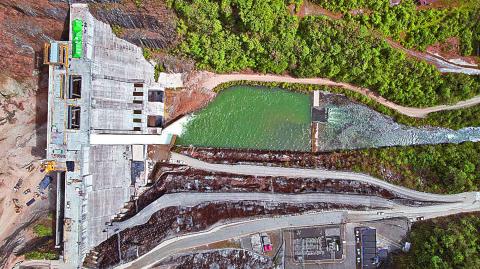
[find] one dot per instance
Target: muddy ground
(224, 258)
(175, 221)
(450, 49)
(193, 97)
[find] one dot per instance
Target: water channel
(275, 119)
(352, 126)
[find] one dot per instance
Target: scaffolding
(55, 53)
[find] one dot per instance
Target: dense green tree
(235, 35)
(448, 242)
(433, 168)
(414, 27)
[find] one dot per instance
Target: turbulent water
(253, 118)
(352, 126)
(275, 119)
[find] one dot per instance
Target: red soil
(450, 49)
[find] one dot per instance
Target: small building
(266, 243)
(366, 247)
(319, 114)
(256, 242)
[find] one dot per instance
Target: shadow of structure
(41, 107)
(41, 97)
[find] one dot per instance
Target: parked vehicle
(30, 202)
(45, 182)
(27, 191)
(18, 185)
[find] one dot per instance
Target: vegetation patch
(117, 30)
(147, 53)
(447, 242)
(41, 255)
(448, 168)
(42, 230)
(42, 246)
(263, 36)
(159, 68)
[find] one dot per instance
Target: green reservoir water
(252, 118)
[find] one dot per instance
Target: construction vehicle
(18, 185)
(48, 166)
(17, 205)
(44, 183)
(30, 167)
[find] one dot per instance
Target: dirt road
(193, 199)
(212, 80)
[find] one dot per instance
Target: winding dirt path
(211, 80)
(443, 65)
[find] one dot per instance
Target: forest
(448, 168)
(238, 35)
(414, 27)
(447, 243)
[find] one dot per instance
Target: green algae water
(252, 118)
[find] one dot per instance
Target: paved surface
(43, 264)
(465, 202)
(227, 231)
(193, 199)
(315, 173)
(213, 80)
(233, 230)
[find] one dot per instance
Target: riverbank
(457, 116)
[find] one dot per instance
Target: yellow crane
(48, 166)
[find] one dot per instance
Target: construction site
(104, 109)
(130, 193)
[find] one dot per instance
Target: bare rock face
(149, 24)
(25, 26)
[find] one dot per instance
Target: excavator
(48, 166)
(18, 207)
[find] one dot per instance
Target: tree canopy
(443, 243)
(262, 35)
